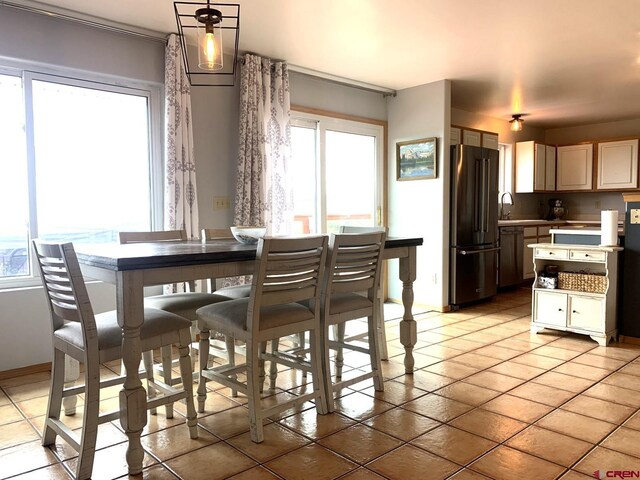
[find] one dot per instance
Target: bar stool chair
(350, 292)
(287, 271)
(234, 291)
(184, 304)
(95, 339)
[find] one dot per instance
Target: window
(337, 167)
(76, 162)
(505, 179)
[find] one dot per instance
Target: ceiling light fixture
(201, 27)
(516, 122)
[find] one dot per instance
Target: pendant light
(516, 122)
(209, 38)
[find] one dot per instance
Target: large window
(337, 167)
(76, 163)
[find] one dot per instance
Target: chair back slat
(65, 288)
(214, 233)
(143, 237)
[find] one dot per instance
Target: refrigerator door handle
(477, 252)
(487, 191)
(477, 220)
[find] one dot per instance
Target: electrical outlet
(634, 216)
(434, 279)
(221, 203)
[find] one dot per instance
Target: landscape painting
(417, 159)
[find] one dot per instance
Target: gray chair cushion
(235, 292)
(346, 302)
(231, 316)
(181, 302)
(156, 322)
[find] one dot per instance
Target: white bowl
(248, 235)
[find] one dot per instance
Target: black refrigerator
(474, 224)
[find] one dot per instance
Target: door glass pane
(350, 180)
(14, 198)
(92, 162)
(303, 155)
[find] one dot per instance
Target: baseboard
(20, 372)
(629, 340)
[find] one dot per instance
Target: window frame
(324, 122)
(29, 72)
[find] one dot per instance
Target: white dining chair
(96, 339)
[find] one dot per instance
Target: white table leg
(408, 330)
(133, 398)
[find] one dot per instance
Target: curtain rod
(83, 19)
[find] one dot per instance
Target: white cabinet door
(524, 167)
(550, 168)
(539, 171)
(490, 140)
(472, 137)
(454, 136)
(618, 165)
(527, 258)
(574, 164)
(550, 308)
(586, 313)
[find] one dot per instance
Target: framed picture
(417, 159)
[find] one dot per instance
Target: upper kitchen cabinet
(455, 136)
(617, 165)
(473, 137)
(535, 167)
(490, 140)
(575, 167)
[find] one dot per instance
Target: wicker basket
(582, 282)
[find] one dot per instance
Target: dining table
(131, 267)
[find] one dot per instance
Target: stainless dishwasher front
(510, 264)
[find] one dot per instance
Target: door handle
(476, 252)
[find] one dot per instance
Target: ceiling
(563, 62)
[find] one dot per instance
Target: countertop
(553, 223)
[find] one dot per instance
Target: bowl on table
(247, 234)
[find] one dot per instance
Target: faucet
(502, 214)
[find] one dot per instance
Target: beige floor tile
(536, 392)
(370, 443)
(454, 444)
(402, 424)
(467, 474)
(53, 472)
(425, 380)
(518, 408)
(578, 343)
(395, 393)
(573, 475)
(624, 380)
(599, 361)
(624, 440)
(362, 474)
(517, 370)
(505, 463)
(227, 423)
(17, 433)
(412, 462)
(615, 394)
(439, 351)
(539, 361)
(620, 351)
(494, 381)
(213, 462)
(517, 345)
(633, 422)
(28, 391)
(312, 462)
(155, 472)
(552, 446)
(602, 460)
(312, 425)
(359, 406)
(392, 368)
(24, 458)
(452, 369)
(175, 441)
(4, 400)
(564, 382)
(467, 393)
(437, 407)
(477, 361)
(578, 426)
(255, 473)
(496, 351)
(600, 409)
(555, 352)
(631, 369)
(110, 462)
(463, 344)
(9, 414)
(582, 371)
(484, 337)
(278, 440)
(488, 425)
(25, 379)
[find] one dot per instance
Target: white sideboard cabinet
(587, 312)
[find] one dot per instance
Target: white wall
(421, 207)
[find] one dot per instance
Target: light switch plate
(634, 215)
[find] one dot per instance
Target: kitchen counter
(529, 222)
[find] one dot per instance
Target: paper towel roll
(609, 228)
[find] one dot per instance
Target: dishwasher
(510, 260)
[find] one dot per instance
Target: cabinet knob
(586, 254)
(559, 309)
(574, 311)
(550, 253)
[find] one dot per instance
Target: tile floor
(488, 400)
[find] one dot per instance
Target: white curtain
(181, 202)
(264, 194)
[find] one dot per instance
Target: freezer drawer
(474, 274)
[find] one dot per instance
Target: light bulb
(209, 48)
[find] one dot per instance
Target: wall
(421, 207)
(28, 37)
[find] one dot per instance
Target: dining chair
(96, 339)
(184, 304)
(379, 307)
(350, 292)
(233, 291)
(287, 271)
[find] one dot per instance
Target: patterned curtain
(181, 202)
(264, 195)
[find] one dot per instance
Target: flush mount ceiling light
(205, 29)
(516, 122)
